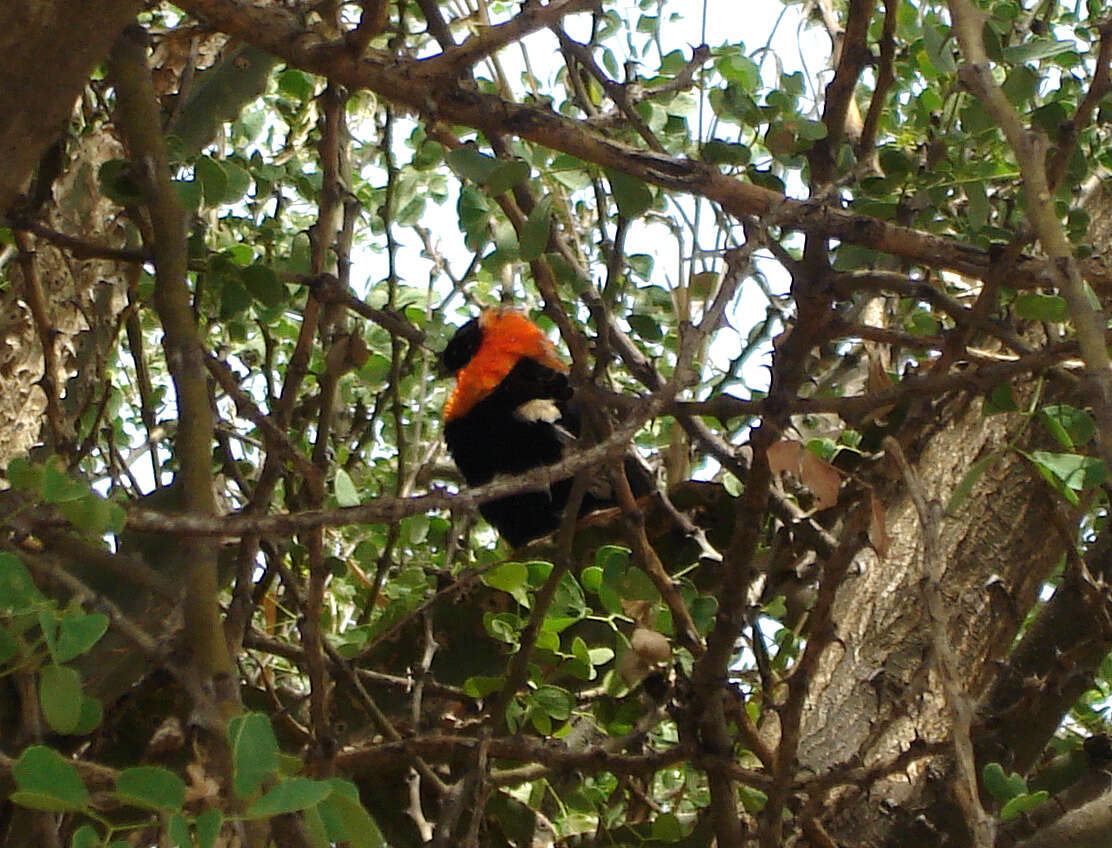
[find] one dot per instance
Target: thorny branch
(409, 83)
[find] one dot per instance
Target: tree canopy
(836, 270)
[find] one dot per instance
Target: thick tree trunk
(877, 689)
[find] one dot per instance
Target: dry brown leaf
(877, 381)
(270, 612)
(878, 527)
(822, 478)
(784, 456)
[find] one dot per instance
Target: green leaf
(60, 696)
(1021, 85)
(631, 194)
(725, 153)
(289, 796)
(510, 577)
(24, 475)
(752, 799)
(810, 130)
(474, 217)
(150, 787)
(999, 784)
(118, 183)
(17, 590)
(923, 323)
(534, 235)
(234, 298)
(739, 68)
(77, 633)
(667, 828)
(177, 828)
(591, 578)
(92, 714)
(9, 646)
(1021, 804)
(502, 626)
(189, 194)
(1001, 399)
(600, 656)
(613, 559)
(1041, 307)
(777, 608)
(469, 163)
(344, 810)
(641, 264)
(296, 84)
(208, 826)
(936, 40)
(1072, 427)
(59, 487)
(46, 781)
(1036, 48)
(646, 327)
(264, 285)
(213, 180)
(85, 837)
(480, 686)
(570, 172)
(91, 514)
(237, 182)
(506, 175)
(541, 722)
(254, 752)
(1074, 470)
(579, 650)
(315, 828)
(346, 493)
(553, 701)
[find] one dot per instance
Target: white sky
(766, 27)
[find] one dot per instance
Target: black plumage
(527, 421)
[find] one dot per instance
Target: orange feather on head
(507, 336)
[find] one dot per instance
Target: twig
(79, 248)
(327, 289)
(276, 440)
(1098, 88)
(455, 60)
(129, 629)
(1030, 151)
(885, 76)
(50, 381)
(617, 92)
(376, 14)
(850, 50)
(404, 82)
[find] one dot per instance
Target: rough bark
(82, 297)
(873, 694)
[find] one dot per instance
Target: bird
(513, 409)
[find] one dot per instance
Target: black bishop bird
(512, 409)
